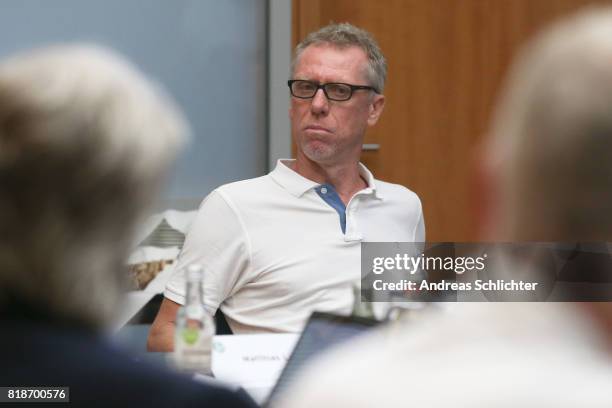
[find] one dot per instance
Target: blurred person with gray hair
(85, 142)
(277, 247)
(549, 171)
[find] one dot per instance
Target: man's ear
(376, 108)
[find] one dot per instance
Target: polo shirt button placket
(352, 233)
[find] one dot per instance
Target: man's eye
(305, 86)
(339, 90)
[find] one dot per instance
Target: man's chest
(310, 251)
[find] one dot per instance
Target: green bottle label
(190, 335)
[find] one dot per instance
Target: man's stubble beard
(318, 152)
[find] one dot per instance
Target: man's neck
(344, 177)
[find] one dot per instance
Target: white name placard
(253, 361)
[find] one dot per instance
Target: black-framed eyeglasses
(334, 91)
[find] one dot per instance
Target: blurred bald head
(85, 140)
(551, 144)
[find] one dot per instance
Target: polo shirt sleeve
(419, 229)
(217, 241)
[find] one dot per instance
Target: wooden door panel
(446, 62)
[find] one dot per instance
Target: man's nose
(319, 104)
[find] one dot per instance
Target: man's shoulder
(455, 348)
(245, 189)
(396, 192)
(100, 374)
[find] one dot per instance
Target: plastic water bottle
(195, 327)
(361, 308)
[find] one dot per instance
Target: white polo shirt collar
(297, 185)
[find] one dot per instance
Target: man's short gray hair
(84, 141)
(347, 35)
(553, 133)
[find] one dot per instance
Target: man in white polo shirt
(277, 247)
